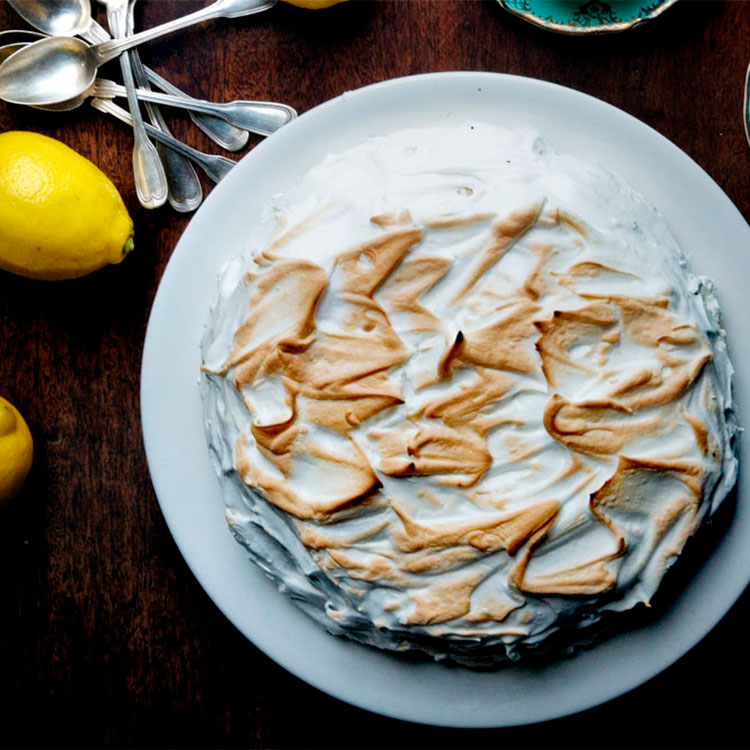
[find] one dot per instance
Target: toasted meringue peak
(464, 393)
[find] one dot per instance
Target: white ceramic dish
(710, 230)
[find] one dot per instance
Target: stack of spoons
(56, 69)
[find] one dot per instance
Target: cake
(465, 396)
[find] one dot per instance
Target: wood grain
(105, 636)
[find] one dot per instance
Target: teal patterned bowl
(587, 16)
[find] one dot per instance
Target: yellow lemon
(16, 449)
(60, 216)
(314, 4)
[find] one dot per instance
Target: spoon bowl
(8, 49)
(50, 71)
(57, 18)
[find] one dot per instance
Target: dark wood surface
(105, 636)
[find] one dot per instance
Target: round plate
(587, 16)
(705, 222)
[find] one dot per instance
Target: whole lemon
(60, 216)
(314, 4)
(16, 450)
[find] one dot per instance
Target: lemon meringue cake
(465, 395)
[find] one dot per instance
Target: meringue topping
(462, 390)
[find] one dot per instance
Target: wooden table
(105, 636)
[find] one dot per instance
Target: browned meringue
(465, 393)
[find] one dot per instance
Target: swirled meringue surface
(465, 394)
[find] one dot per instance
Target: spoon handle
(218, 130)
(216, 167)
(109, 50)
(263, 118)
(148, 170)
(184, 192)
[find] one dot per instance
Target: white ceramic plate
(709, 228)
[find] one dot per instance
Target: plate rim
(156, 456)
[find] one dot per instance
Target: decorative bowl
(587, 16)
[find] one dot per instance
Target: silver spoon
(216, 167)
(184, 188)
(148, 169)
(52, 70)
(262, 118)
(61, 18)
